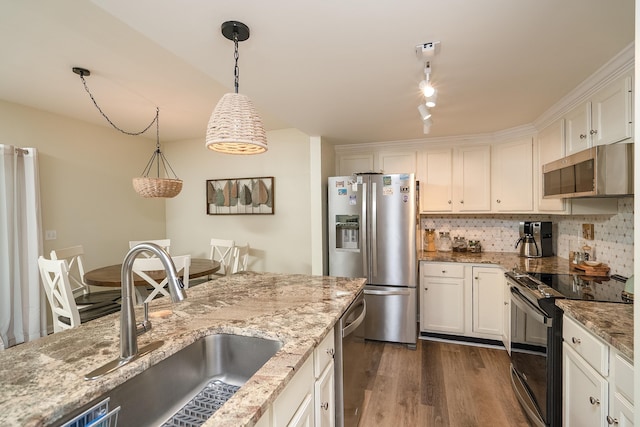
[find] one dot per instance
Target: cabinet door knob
(449, 201)
(506, 303)
(476, 277)
(582, 136)
(594, 401)
(462, 201)
(593, 131)
(575, 340)
(498, 200)
(325, 405)
(331, 352)
(444, 271)
(611, 421)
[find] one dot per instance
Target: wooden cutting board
(598, 270)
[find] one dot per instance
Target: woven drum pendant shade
(235, 127)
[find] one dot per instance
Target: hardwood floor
(438, 384)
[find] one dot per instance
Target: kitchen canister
(444, 242)
(429, 239)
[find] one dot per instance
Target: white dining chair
(240, 259)
(65, 312)
(82, 292)
(163, 243)
(222, 252)
(143, 266)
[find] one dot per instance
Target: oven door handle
(529, 309)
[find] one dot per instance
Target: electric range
(536, 334)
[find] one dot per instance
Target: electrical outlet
(587, 231)
(50, 235)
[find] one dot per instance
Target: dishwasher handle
(348, 329)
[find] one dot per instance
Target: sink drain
(201, 408)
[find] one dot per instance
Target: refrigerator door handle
(363, 232)
(374, 228)
(386, 293)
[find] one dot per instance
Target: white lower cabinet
(461, 299)
(597, 380)
(324, 386)
(309, 398)
(442, 298)
(488, 294)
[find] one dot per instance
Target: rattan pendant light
(235, 126)
(147, 186)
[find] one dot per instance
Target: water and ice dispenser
(347, 231)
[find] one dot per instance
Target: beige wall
(279, 242)
(85, 179)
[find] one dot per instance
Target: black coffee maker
(536, 239)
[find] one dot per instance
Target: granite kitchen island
(42, 381)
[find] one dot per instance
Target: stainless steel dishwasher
(349, 364)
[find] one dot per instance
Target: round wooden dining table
(111, 275)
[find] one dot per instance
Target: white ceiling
(345, 70)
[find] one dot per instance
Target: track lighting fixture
(425, 52)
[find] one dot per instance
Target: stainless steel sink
(157, 394)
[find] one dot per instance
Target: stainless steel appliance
(605, 170)
(349, 370)
(536, 336)
(536, 239)
(372, 234)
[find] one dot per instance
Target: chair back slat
(222, 251)
(55, 279)
(241, 259)
(143, 266)
(75, 267)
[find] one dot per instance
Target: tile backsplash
(613, 234)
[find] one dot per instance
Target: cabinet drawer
(594, 351)
(448, 269)
(623, 376)
(295, 394)
(323, 354)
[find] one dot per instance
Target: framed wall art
(240, 196)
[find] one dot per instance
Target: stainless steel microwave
(605, 170)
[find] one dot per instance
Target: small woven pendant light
(144, 185)
(149, 186)
(235, 126)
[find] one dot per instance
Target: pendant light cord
(155, 119)
(236, 70)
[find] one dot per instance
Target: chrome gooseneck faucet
(128, 336)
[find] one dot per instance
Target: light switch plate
(587, 231)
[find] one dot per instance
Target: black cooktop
(578, 287)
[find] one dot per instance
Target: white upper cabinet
(603, 119)
(611, 111)
(436, 180)
(472, 179)
(455, 179)
(578, 123)
(397, 162)
(512, 176)
(353, 163)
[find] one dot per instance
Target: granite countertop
(43, 380)
(613, 322)
(507, 260)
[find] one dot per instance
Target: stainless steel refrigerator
(372, 234)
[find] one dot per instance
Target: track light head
(425, 114)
